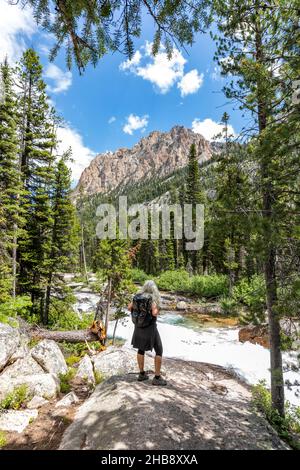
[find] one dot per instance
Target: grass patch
(79, 349)
(99, 377)
(71, 360)
(15, 399)
(3, 439)
(65, 380)
(288, 428)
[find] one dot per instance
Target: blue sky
(118, 102)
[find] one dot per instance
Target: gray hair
(151, 288)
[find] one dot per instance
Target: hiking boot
(159, 381)
(142, 377)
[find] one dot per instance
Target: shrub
(138, 275)
(71, 360)
(252, 294)
(15, 399)
(13, 308)
(99, 377)
(212, 286)
(3, 440)
(79, 349)
(178, 280)
(285, 426)
(65, 380)
(229, 306)
(67, 319)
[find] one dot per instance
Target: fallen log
(95, 333)
(70, 336)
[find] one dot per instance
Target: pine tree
(65, 231)
(115, 262)
(194, 195)
(254, 38)
(10, 184)
(38, 140)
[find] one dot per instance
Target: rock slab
(16, 420)
(48, 354)
(194, 411)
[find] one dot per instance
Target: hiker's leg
(157, 363)
(158, 351)
(141, 359)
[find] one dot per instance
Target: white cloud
(134, 123)
(162, 72)
(209, 129)
(112, 119)
(130, 63)
(81, 155)
(190, 82)
(61, 80)
(14, 21)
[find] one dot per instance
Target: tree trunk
(107, 310)
(14, 263)
(83, 256)
(47, 300)
(71, 336)
(114, 333)
(269, 198)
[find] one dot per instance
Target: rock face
(9, 342)
(16, 420)
(50, 357)
(256, 334)
(181, 305)
(160, 153)
(68, 400)
(115, 361)
(26, 366)
(36, 402)
(209, 410)
(85, 370)
(44, 385)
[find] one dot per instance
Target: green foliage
(33, 342)
(252, 294)
(65, 380)
(287, 426)
(3, 439)
(21, 306)
(229, 306)
(138, 275)
(15, 399)
(174, 280)
(209, 286)
(99, 377)
(71, 360)
(212, 286)
(78, 349)
(88, 31)
(67, 319)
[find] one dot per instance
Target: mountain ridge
(159, 153)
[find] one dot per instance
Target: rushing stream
(186, 338)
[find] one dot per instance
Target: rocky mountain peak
(158, 153)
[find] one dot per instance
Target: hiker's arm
(155, 310)
(130, 307)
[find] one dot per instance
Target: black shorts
(157, 345)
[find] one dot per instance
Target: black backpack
(141, 312)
